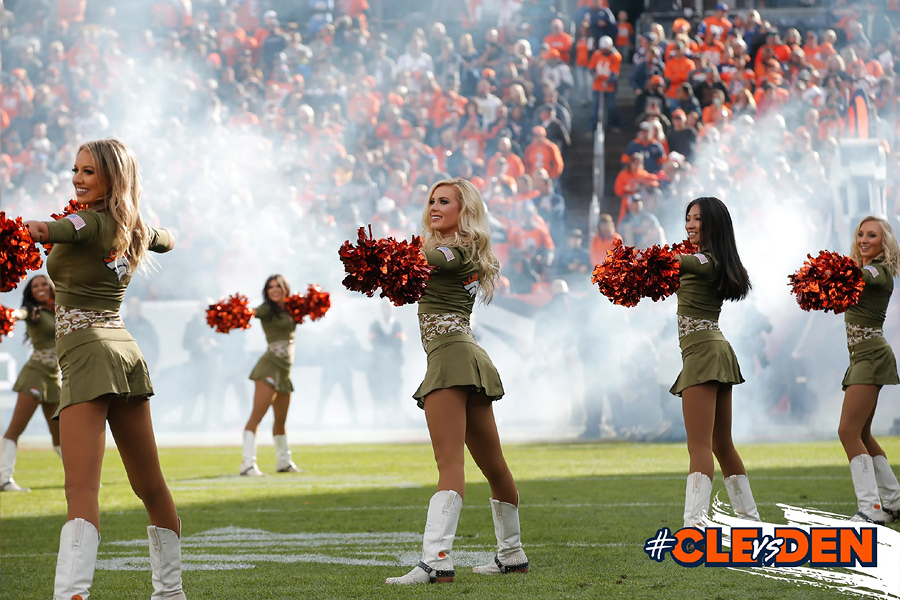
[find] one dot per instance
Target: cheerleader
(872, 365)
(104, 376)
(460, 383)
(710, 367)
(38, 382)
(272, 378)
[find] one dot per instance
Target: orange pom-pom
(231, 313)
(18, 253)
(617, 277)
(830, 281)
(659, 272)
(408, 271)
(317, 301)
(6, 320)
(684, 247)
(365, 263)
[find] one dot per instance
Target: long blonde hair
(472, 237)
(890, 251)
(118, 167)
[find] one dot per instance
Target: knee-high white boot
(78, 543)
(436, 565)
(738, 488)
(165, 563)
(862, 471)
(510, 557)
(696, 500)
(248, 456)
(283, 462)
(888, 488)
(58, 450)
(8, 451)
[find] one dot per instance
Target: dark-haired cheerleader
(710, 368)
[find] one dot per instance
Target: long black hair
(30, 303)
(274, 308)
(717, 236)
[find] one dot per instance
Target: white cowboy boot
(436, 565)
(738, 488)
(248, 457)
(888, 488)
(78, 543)
(165, 563)
(510, 557)
(862, 471)
(283, 462)
(8, 451)
(696, 500)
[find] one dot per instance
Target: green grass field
(356, 516)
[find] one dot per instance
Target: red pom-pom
(18, 253)
(408, 271)
(232, 313)
(71, 208)
(398, 268)
(296, 306)
(659, 272)
(6, 320)
(317, 302)
(830, 281)
(365, 263)
(618, 277)
(684, 247)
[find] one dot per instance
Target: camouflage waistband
(46, 357)
(860, 333)
(283, 349)
(70, 319)
(433, 325)
(688, 325)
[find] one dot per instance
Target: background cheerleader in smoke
(271, 376)
(872, 365)
(38, 381)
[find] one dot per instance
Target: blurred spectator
(604, 239)
(573, 262)
(605, 64)
(541, 153)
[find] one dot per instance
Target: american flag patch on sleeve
(448, 253)
(702, 258)
(872, 270)
(77, 221)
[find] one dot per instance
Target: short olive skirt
(456, 359)
(97, 362)
(706, 356)
(40, 381)
(275, 371)
(872, 362)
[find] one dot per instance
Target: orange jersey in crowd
(543, 155)
(600, 246)
(605, 66)
(714, 52)
(529, 242)
(515, 168)
(71, 10)
(719, 26)
(677, 71)
(249, 14)
(232, 43)
(624, 34)
(562, 43)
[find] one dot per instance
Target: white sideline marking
(882, 581)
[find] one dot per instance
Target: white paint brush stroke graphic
(882, 581)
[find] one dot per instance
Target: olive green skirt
(456, 359)
(872, 362)
(706, 356)
(97, 362)
(275, 371)
(40, 381)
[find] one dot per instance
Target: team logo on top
(471, 284)
(116, 264)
